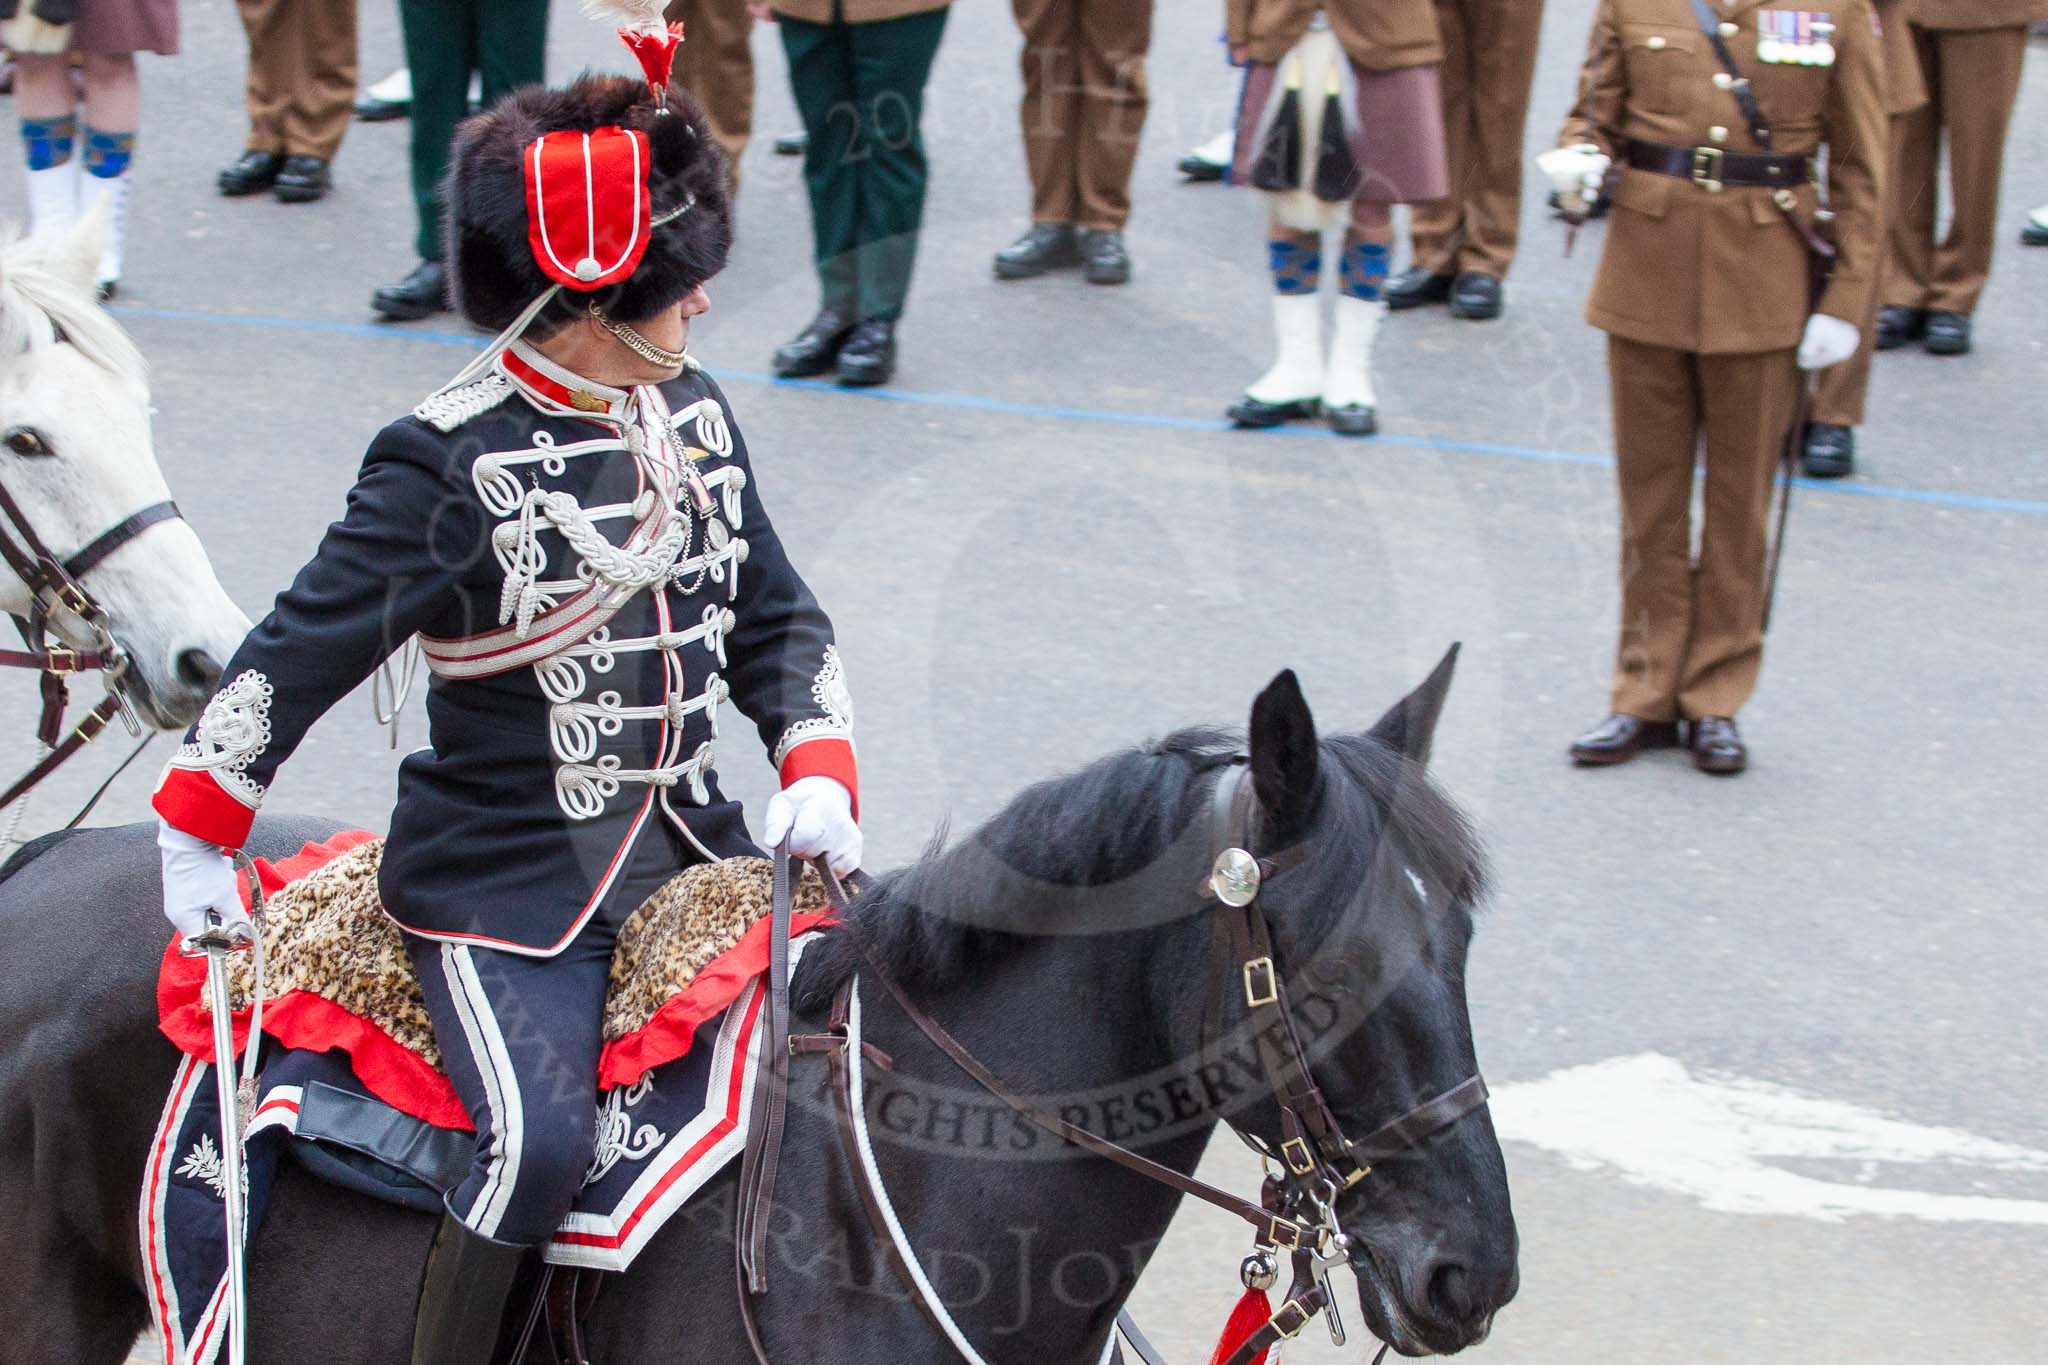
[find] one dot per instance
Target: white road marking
(1711, 1138)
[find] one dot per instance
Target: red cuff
(831, 758)
(201, 807)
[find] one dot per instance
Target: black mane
(1101, 831)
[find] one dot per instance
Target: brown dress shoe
(1717, 746)
(1620, 738)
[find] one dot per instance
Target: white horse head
(75, 453)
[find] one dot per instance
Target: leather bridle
(55, 585)
(1316, 1161)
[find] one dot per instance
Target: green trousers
(860, 90)
(445, 40)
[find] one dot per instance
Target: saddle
(350, 1085)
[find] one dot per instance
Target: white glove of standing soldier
(1575, 171)
(1828, 341)
(198, 877)
(817, 815)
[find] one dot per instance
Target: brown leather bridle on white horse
(56, 585)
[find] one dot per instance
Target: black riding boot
(462, 1299)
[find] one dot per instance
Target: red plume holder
(656, 53)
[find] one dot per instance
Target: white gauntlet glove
(198, 877)
(1828, 341)
(28, 34)
(1575, 172)
(817, 815)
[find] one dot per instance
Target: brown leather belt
(1712, 168)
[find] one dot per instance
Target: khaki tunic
(1948, 15)
(1379, 35)
(1724, 273)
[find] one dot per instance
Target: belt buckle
(1706, 168)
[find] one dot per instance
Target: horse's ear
(1410, 728)
(1284, 754)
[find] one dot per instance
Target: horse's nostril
(1450, 1293)
(198, 670)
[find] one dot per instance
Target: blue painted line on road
(970, 402)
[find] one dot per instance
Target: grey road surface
(1041, 544)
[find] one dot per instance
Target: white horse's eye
(26, 441)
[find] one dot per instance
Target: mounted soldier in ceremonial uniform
(575, 532)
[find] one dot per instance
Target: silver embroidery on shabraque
(203, 1163)
(233, 730)
(618, 1137)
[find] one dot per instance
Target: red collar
(553, 389)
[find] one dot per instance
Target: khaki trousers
(716, 65)
(1692, 632)
(1489, 62)
(1840, 390)
(1973, 77)
(302, 74)
(1085, 99)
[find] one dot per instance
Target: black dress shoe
(1104, 259)
(256, 171)
(1250, 412)
(1046, 246)
(1354, 419)
(1830, 451)
(1620, 738)
(1948, 333)
(370, 109)
(1717, 746)
(792, 144)
(302, 179)
(421, 294)
(1415, 287)
(815, 349)
(1897, 325)
(869, 355)
(1476, 297)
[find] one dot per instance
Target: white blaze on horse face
(69, 374)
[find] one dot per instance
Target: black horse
(1064, 944)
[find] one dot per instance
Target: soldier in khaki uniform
(1085, 100)
(1462, 245)
(1837, 410)
(1704, 293)
(1971, 52)
(716, 65)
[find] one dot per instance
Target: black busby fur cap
(492, 274)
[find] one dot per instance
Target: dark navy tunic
(590, 572)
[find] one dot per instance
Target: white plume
(642, 15)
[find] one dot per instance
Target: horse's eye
(26, 441)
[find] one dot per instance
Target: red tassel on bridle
(1253, 1311)
(656, 53)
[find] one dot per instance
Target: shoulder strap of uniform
(1738, 84)
(451, 407)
